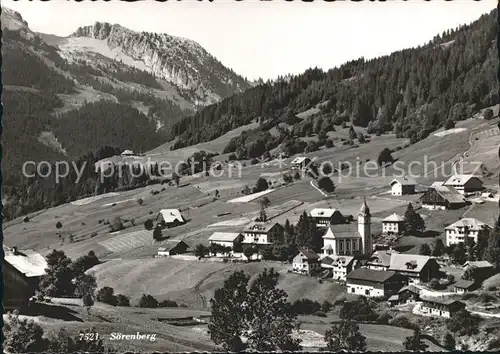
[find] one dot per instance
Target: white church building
(350, 239)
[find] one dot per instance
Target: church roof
(365, 210)
(342, 231)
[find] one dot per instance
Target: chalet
(393, 224)
(170, 218)
(416, 267)
(172, 247)
(403, 186)
(324, 217)
(463, 286)
(466, 227)
(464, 184)
(306, 262)
(301, 163)
(22, 272)
(409, 294)
(442, 197)
(483, 269)
(373, 283)
(226, 239)
(380, 260)
(436, 307)
(263, 233)
(339, 266)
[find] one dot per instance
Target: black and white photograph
(250, 176)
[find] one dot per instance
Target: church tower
(364, 229)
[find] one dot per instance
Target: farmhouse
(326, 216)
(373, 283)
(466, 227)
(393, 224)
(338, 266)
(463, 286)
(170, 218)
(409, 294)
(306, 262)
(440, 308)
(418, 268)
(483, 269)
(22, 272)
(442, 197)
(226, 239)
(263, 233)
(403, 186)
(464, 184)
(380, 260)
(301, 163)
(349, 239)
(172, 247)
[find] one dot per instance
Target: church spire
(365, 209)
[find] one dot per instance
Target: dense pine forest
(413, 91)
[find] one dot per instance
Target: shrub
(326, 184)
(148, 224)
(329, 143)
(305, 307)
(122, 300)
(434, 284)
(463, 323)
(488, 114)
(168, 303)
(402, 321)
(148, 301)
(93, 234)
(320, 314)
(140, 201)
(107, 295)
(117, 225)
(449, 124)
(384, 318)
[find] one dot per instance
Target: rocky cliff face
(179, 61)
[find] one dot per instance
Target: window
(367, 292)
(352, 290)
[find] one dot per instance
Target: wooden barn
(442, 197)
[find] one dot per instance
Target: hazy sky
(267, 39)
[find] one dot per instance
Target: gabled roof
(477, 264)
(128, 152)
(375, 276)
(410, 288)
(446, 302)
(168, 245)
(28, 262)
(224, 236)
(384, 257)
(259, 227)
(448, 193)
(342, 231)
(464, 284)
(394, 218)
(299, 159)
(460, 179)
(310, 255)
(337, 260)
(471, 223)
(170, 215)
(408, 262)
(437, 184)
(404, 181)
(323, 212)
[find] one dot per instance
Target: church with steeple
(350, 239)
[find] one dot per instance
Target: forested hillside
(413, 91)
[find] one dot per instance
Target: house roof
(464, 284)
(394, 218)
(446, 302)
(337, 260)
(299, 159)
(459, 179)
(393, 298)
(310, 255)
(170, 215)
(28, 262)
(437, 184)
(365, 209)
(259, 227)
(375, 276)
(477, 264)
(405, 181)
(342, 231)
(322, 212)
(399, 262)
(383, 255)
(224, 236)
(448, 193)
(128, 152)
(472, 223)
(168, 245)
(410, 288)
